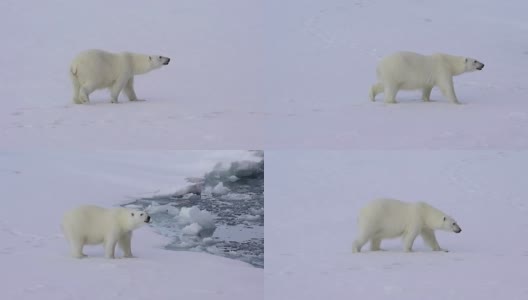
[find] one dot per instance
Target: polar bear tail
(73, 70)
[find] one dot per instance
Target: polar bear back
(101, 68)
(91, 223)
(411, 71)
(390, 218)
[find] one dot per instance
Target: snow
(323, 57)
(265, 75)
(199, 101)
(38, 187)
(309, 238)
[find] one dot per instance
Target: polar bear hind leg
(426, 94)
(375, 90)
(390, 91)
(360, 241)
(76, 244)
(77, 248)
(76, 89)
(85, 91)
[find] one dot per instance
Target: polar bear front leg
(408, 240)
(125, 244)
(118, 86)
(129, 90)
(446, 86)
(426, 94)
(430, 239)
(110, 244)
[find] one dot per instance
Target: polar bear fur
(92, 225)
(97, 69)
(413, 71)
(390, 218)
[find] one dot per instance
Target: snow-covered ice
(220, 189)
(236, 196)
(38, 187)
(208, 97)
(309, 238)
(250, 217)
(230, 225)
(323, 56)
(195, 220)
(156, 208)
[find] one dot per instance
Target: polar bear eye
(444, 218)
(132, 214)
(141, 214)
(160, 57)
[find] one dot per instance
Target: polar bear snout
(147, 220)
(480, 66)
(457, 229)
(166, 60)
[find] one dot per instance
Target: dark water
(236, 218)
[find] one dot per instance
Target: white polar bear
(97, 69)
(92, 225)
(413, 71)
(389, 218)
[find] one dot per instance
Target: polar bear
(97, 69)
(92, 225)
(413, 71)
(390, 218)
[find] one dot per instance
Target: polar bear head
(143, 63)
(449, 224)
(472, 64)
(156, 61)
(136, 219)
